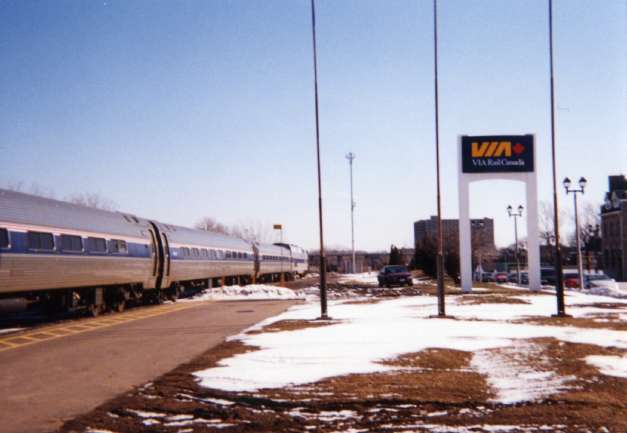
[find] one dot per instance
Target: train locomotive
(72, 257)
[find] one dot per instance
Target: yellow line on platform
(85, 325)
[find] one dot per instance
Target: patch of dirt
(293, 325)
(472, 299)
(401, 386)
(610, 321)
(363, 301)
(606, 305)
(434, 359)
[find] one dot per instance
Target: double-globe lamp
(582, 186)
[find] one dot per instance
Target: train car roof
(271, 249)
(28, 209)
(185, 235)
(291, 247)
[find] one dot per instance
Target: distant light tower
(351, 157)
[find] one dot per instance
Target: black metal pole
(323, 264)
(440, 256)
(559, 281)
(517, 256)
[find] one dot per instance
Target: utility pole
(559, 275)
(440, 247)
(351, 157)
(323, 263)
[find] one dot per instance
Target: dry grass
(293, 325)
(612, 322)
(489, 299)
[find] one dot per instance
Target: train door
(256, 261)
(167, 263)
(157, 258)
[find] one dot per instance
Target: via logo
(489, 149)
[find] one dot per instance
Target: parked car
(487, 277)
(591, 282)
(500, 277)
(394, 275)
(600, 281)
(571, 280)
(547, 276)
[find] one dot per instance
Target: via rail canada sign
(497, 154)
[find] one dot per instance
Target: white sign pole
(530, 179)
(465, 244)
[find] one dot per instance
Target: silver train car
(73, 257)
(299, 264)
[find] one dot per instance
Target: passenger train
(73, 257)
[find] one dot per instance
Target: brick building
(482, 231)
(614, 228)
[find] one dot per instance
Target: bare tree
(546, 223)
(34, 189)
(589, 219)
(93, 200)
(254, 231)
(211, 225)
(250, 231)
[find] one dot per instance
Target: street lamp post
(351, 157)
(582, 185)
(516, 215)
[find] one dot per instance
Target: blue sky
(178, 110)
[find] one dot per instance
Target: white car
(600, 284)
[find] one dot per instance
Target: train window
(40, 241)
(204, 253)
(96, 245)
(71, 243)
(4, 238)
(195, 252)
(185, 252)
(228, 254)
(118, 246)
(212, 254)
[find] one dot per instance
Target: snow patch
(10, 330)
(251, 292)
(364, 334)
(513, 380)
(609, 365)
(150, 422)
(363, 278)
(144, 414)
